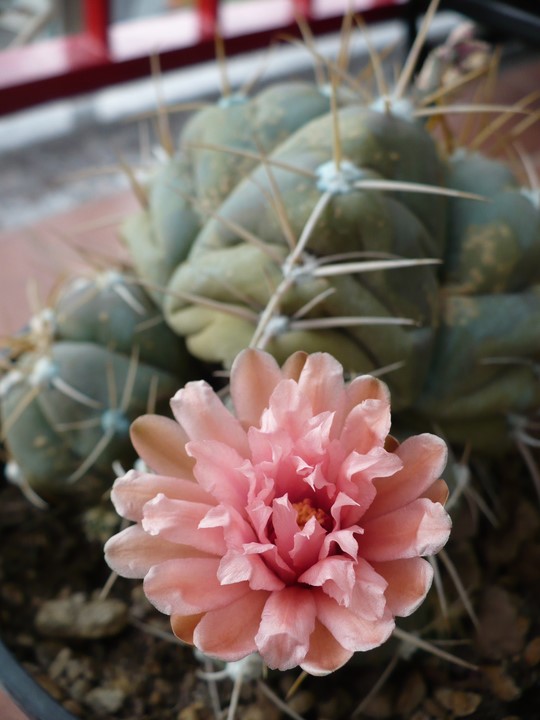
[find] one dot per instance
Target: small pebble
(412, 694)
(502, 632)
(379, 707)
(261, 711)
(79, 689)
(73, 707)
(501, 684)
(75, 617)
(104, 701)
(74, 670)
(12, 594)
(58, 665)
(301, 702)
(420, 715)
(434, 710)
(532, 652)
(195, 711)
(339, 704)
(459, 702)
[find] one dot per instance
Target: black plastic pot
(26, 693)
(23, 689)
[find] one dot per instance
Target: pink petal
(424, 457)
(408, 581)
(268, 447)
(235, 528)
(288, 619)
(188, 586)
(345, 539)
(259, 514)
(355, 480)
(366, 387)
(366, 426)
(236, 567)
(420, 528)
(131, 492)
(229, 633)
(254, 375)
(273, 559)
(218, 469)
(288, 411)
(335, 575)
(307, 545)
(178, 522)
(346, 510)
(438, 492)
(325, 654)
(131, 552)
(293, 366)
(368, 599)
(376, 463)
(183, 626)
(161, 442)
(312, 446)
(285, 526)
(204, 417)
(351, 631)
(321, 381)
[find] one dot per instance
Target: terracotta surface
(35, 259)
(8, 710)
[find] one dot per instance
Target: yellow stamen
(305, 511)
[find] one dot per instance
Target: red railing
(104, 54)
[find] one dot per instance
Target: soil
(110, 654)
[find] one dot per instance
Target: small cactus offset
(83, 370)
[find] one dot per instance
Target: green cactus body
(67, 405)
(262, 175)
(224, 267)
(494, 246)
(255, 125)
(376, 145)
(160, 236)
(484, 362)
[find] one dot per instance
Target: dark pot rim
(26, 692)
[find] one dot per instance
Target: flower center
(305, 511)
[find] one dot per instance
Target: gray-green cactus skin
(465, 363)
(186, 186)
(224, 267)
(95, 360)
(484, 372)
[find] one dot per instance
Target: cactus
(224, 266)
(81, 372)
(186, 185)
(361, 234)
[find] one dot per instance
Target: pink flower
(294, 529)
